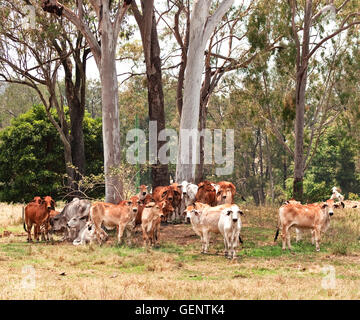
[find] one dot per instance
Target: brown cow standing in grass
(315, 217)
(38, 215)
(206, 193)
(150, 221)
(121, 216)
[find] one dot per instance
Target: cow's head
(183, 187)
(328, 207)
(49, 202)
(191, 213)
(233, 213)
(77, 222)
(143, 192)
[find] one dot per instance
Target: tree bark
(149, 36)
(110, 118)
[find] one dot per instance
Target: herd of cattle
(209, 207)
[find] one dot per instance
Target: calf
(76, 224)
(226, 193)
(206, 193)
(86, 235)
(205, 220)
(150, 222)
(121, 216)
(315, 217)
(38, 215)
(176, 203)
(230, 226)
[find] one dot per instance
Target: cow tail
(277, 230)
(23, 218)
(277, 234)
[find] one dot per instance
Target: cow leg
(312, 237)
(206, 241)
(283, 237)
(288, 237)
(37, 232)
(145, 236)
(29, 227)
(120, 233)
(226, 245)
(298, 235)
(317, 238)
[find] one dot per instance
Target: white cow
(205, 220)
(189, 191)
(86, 234)
(336, 194)
(230, 226)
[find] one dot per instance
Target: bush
(32, 157)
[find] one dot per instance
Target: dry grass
(176, 270)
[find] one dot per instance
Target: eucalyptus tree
(103, 45)
(306, 22)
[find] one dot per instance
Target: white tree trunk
(201, 27)
(110, 114)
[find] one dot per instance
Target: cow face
(77, 222)
(183, 187)
(58, 222)
(50, 203)
(165, 208)
(328, 207)
(143, 192)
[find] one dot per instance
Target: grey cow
(78, 209)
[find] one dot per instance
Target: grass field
(177, 269)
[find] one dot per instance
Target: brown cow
(206, 193)
(148, 198)
(121, 216)
(150, 221)
(176, 203)
(226, 193)
(38, 214)
(311, 216)
(168, 193)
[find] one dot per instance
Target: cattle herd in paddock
(209, 207)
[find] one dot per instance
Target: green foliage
(32, 156)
